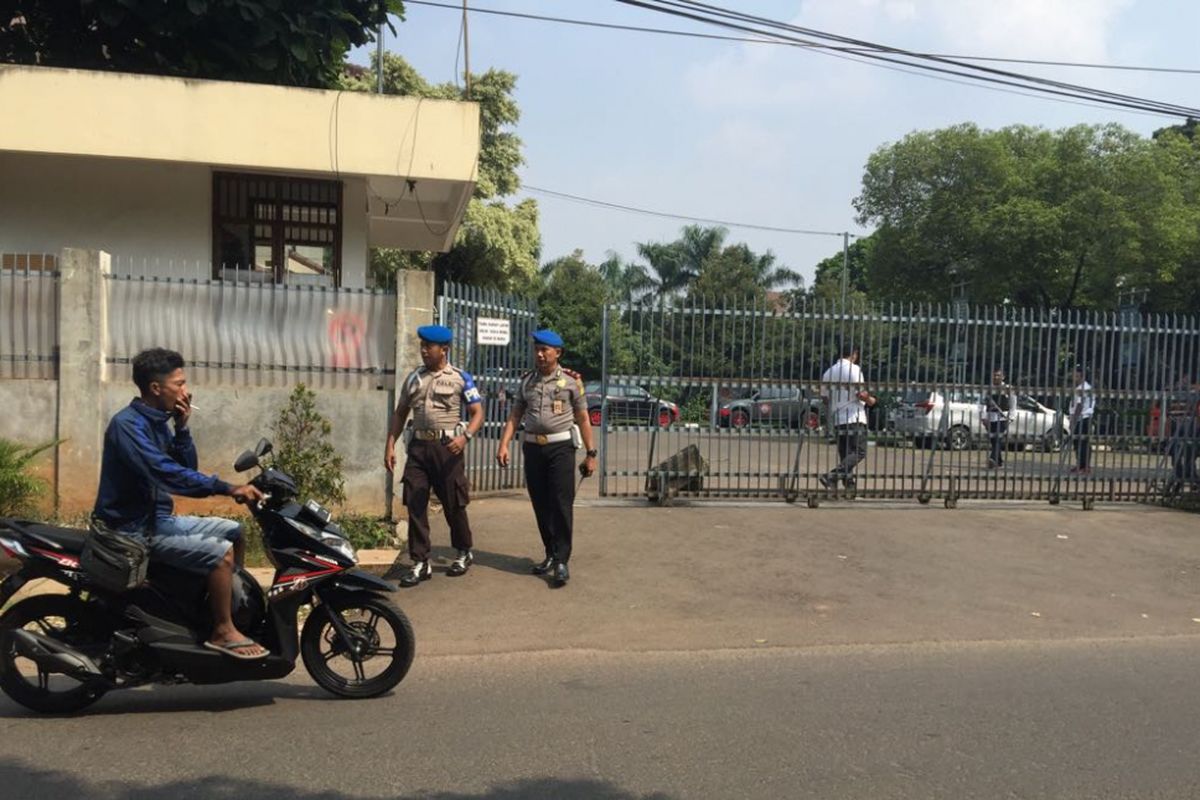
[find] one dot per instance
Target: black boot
(544, 567)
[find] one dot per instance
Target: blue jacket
(144, 463)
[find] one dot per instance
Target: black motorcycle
(60, 653)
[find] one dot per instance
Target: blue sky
(769, 134)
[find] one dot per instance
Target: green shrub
(304, 449)
(18, 487)
(367, 532)
(697, 409)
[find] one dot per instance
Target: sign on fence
(489, 330)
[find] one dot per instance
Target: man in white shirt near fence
(847, 404)
(1083, 406)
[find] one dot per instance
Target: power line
(747, 23)
(815, 45)
(683, 217)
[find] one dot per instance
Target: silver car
(959, 422)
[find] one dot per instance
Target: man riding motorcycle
(144, 463)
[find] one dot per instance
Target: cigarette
(193, 407)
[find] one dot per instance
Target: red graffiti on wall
(347, 330)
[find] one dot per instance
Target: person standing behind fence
(1184, 417)
(550, 400)
(1083, 406)
(848, 409)
(997, 405)
(435, 394)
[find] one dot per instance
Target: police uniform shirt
(548, 402)
(436, 397)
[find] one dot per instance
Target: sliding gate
(735, 404)
(492, 342)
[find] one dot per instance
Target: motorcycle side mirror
(245, 461)
(262, 448)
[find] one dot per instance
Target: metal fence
(257, 334)
(492, 342)
(714, 399)
(28, 316)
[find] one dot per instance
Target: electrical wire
(684, 217)
(815, 45)
(746, 23)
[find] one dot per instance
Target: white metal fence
(257, 334)
(28, 316)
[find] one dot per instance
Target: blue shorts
(193, 544)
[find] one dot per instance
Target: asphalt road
(1064, 719)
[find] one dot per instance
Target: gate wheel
(951, 502)
(813, 502)
(1089, 503)
(924, 499)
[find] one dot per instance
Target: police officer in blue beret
(551, 402)
(435, 394)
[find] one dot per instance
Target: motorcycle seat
(54, 537)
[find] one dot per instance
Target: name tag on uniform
(558, 406)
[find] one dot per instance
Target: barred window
(274, 228)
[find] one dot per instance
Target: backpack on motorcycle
(113, 560)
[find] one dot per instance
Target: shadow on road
(441, 556)
(21, 780)
(173, 699)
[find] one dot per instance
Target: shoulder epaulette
(573, 374)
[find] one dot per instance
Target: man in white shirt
(847, 402)
(1083, 406)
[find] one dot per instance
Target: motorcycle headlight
(341, 545)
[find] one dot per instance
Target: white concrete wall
(156, 216)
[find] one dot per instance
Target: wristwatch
(593, 453)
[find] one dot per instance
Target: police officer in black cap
(551, 401)
(435, 394)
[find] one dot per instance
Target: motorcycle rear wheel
(390, 651)
(63, 618)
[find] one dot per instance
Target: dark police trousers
(431, 466)
(550, 478)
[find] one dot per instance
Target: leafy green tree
(260, 41)
(1026, 216)
(303, 441)
(572, 303)
(858, 255)
(498, 244)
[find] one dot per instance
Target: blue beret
(547, 337)
(435, 334)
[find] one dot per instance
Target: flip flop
(230, 649)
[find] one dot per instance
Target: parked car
(780, 407)
(630, 405)
(919, 415)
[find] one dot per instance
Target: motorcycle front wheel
(67, 620)
(379, 652)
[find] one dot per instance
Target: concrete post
(82, 339)
(414, 307)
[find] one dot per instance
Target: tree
(828, 272)
(260, 41)
(1027, 216)
(572, 303)
(739, 272)
(498, 244)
